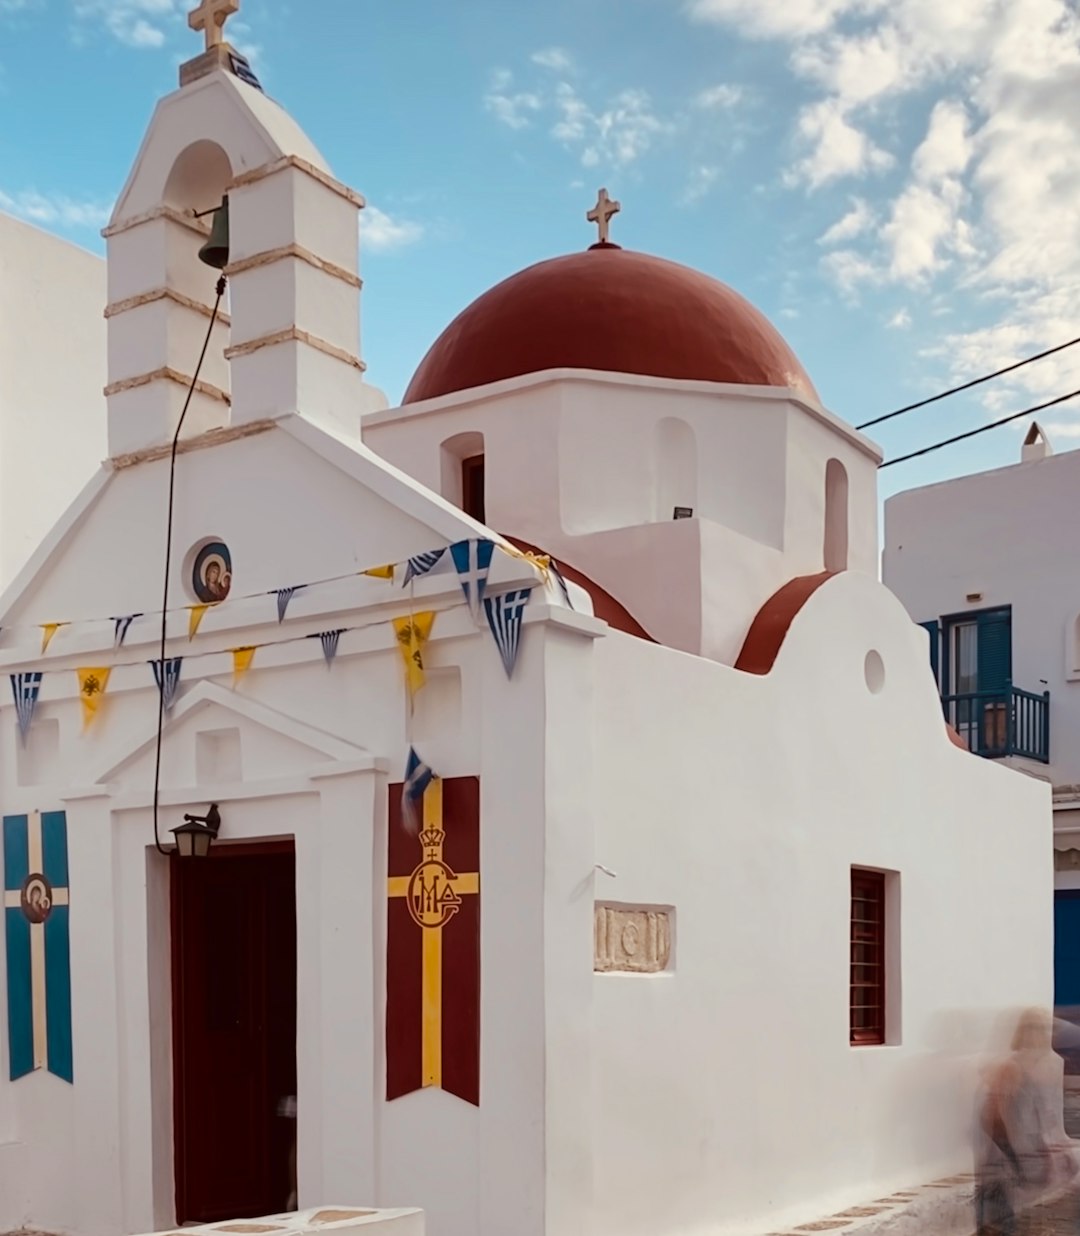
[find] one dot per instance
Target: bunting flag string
(121, 628)
(242, 659)
(412, 633)
(167, 678)
(329, 641)
(380, 572)
(196, 613)
(418, 776)
(421, 564)
(473, 562)
(284, 596)
(25, 688)
(48, 630)
(505, 614)
(92, 683)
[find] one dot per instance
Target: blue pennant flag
(562, 583)
(422, 563)
(168, 683)
(36, 909)
(25, 688)
(473, 562)
(121, 628)
(504, 615)
(418, 776)
(329, 641)
(284, 596)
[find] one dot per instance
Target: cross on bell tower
(210, 17)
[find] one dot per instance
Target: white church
(518, 811)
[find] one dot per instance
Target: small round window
(211, 572)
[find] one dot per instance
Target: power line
(968, 385)
(971, 433)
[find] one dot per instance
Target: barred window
(867, 993)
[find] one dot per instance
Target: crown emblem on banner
(432, 838)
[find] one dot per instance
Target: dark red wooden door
(234, 1032)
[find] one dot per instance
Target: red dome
(609, 309)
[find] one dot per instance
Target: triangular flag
(418, 776)
(383, 572)
(329, 640)
(473, 562)
(422, 563)
(412, 634)
(48, 630)
(92, 683)
(562, 583)
(241, 661)
(196, 613)
(25, 688)
(168, 683)
(504, 615)
(121, 628)
(284, 596)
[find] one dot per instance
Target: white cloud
(700, 183)
(769, 18)
(900, 320)
(56, 210)
(720, 96)
(838, 148)
(511, 107)
(137, 23)
(612, 136)
(380, 231)
(553, 58)
(849, 270)
(859, 219)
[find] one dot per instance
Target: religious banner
(92, 683)
(505, 615)
(422, 563)
(412, 634)
(473, 562)
(37, 931)
(48, 630)
(25, 688)
(121, 626)
(433, 943)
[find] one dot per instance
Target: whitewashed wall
(52, 379)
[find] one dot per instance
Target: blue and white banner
(25, 688)
(418, 776)
(168, 683)
(121, 626)
(505, 614)
(38, 940)
(284, 596)
(422, 563)
(473, 562)
(329, 641)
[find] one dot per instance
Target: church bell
(215, 252)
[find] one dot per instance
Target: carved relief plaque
(631, 939)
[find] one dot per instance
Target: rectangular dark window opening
(867, 981)
(472, 488)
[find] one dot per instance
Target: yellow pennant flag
(196, 613)
(48, 630)
(412, 634)
(383, 572)
(92, 684)
(241, 662)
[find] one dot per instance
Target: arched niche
(675, 456)
(463, 473)
(836, 516)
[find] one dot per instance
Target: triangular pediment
(215, 736)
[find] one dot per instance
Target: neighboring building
(988, 564)
(661, 947)
(52, 378)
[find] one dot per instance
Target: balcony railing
(999, 723)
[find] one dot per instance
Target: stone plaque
(631, 939)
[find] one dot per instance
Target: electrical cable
(971, 433)
(168, 556)
(966, 386)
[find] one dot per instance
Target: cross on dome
(601, 214)
(210, 17)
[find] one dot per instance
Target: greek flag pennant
(167, 677)
(121, 627)
(284, 596)
(473, 562)
(25, 688)
(562, 583)
(418, 776)
(422, 563)
(504, 615)
(38, 944)
(329, 641)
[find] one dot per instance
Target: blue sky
(893, 182)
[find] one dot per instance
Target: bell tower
(287, 339)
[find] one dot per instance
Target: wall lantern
(197, 833)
